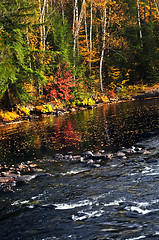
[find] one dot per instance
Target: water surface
(119, 200)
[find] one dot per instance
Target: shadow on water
(70, 200)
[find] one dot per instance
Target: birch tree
(157, 6)
(91, 24)
(103, 44)
(139, 22)
(77, 20)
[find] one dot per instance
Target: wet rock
(100, 157)
(151, 160)
(95, 165)
(101, 151)
(32, 117)
(120, 154)
(109, 155)
(87, 155)
(68, 157)
(90, 162)
(138, 149)
(24, 178)
(72, 109)
(129, 151)
(60, 111)
(82, 160)
(58, 156)
(146, 152)
(76, 158)
(124, 157)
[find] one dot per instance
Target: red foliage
(60, 87)
(111, 94)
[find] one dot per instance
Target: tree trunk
(7, 100)
(139, 22)
(86, 32)
(103, 47)
(76, 27)
(157, 7)
(90, 65)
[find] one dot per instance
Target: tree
(14, 64)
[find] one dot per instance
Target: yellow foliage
(114, 73)
(8, 116)
(39, 109)
(88, 102)
(58, 104)
(24, 111)
(100, 97)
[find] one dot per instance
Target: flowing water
(71, 200)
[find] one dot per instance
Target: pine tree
(14, 62)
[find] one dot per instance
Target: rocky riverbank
(15, 175)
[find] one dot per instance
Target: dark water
(119, 200)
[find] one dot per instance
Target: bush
(24, 111)
(39, 109)
(88, 102)
(101, 97)
(43, 108)
(47, 108)
(8, 116)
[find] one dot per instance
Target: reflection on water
(105, 127)
(117, 201)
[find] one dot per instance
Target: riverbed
(71, 199)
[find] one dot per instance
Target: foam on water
(115, 202)
(136, 238)
(18, 202)
(74, 172)
(64, 206)
(138, 210)
(86, 215)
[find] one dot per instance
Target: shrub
(111, 94)
(39, 109)
(24, 111)
(47, 108)
(43, 108)
(88, 102)
(8, 116)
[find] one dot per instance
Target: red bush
(60, 86)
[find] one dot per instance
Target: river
(68, 199)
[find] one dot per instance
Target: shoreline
(58, 112)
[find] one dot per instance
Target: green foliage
(14, 69)
(82, 98)
(60, 37)
(25, 59)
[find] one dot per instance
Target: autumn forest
(70, 51)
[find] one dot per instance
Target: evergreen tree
(14, 63)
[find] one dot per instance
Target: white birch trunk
(90, 65)
(41, 30)
(103, 47)
(86, 31)
(63, 13)
(139, 22)
(157, 7)
(76, 25)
